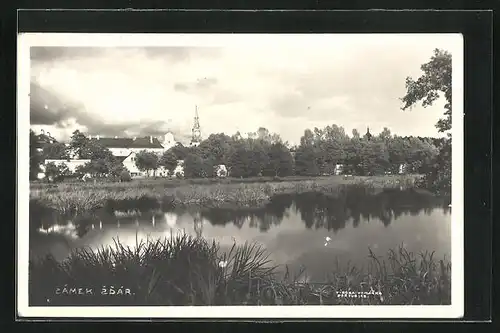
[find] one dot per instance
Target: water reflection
(311, 229)
(317, 211)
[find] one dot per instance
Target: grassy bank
(77, 197)
(183, 270)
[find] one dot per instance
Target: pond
(311, 230)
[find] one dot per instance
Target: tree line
(260, 154)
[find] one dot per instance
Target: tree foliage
(169, 161)
(56, 172)
(435, 82)
(147, 161)
(197, 167)
(280, 161)
(56, 150)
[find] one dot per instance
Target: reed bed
(183, 270)
(78, 197)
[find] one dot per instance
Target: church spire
(196, 131)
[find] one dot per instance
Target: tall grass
(183, 270)
(72, 198)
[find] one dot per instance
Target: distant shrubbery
(125, 176)
(72, 197)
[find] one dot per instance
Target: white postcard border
(26, 40)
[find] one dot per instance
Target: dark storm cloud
(48, 109)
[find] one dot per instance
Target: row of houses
(126, 150)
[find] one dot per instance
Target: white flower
(326, 244)
(223, 264)
(328, 239)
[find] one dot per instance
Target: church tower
(168, 138)
(196, 132)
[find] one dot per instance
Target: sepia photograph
(240, 175)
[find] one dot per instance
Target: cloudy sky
(133, 91)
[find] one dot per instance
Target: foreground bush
(183, 270)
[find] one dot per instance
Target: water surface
(310, 230)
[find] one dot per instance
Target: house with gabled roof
(126, 149)
(125, 146)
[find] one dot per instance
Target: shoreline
(69, 198)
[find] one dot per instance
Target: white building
(221, 171)
(71, 164)
(127, 149)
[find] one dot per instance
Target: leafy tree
(125, 176)
(307, 140)
(216, 147)
(169, 161)
(79, 144)
(335, 133)
(56, 172)
(147, 161)
(353, 156)
(435, 80)
(258, 160)
(56, 150)
(385, 135)
(280, 161)
(103, 162)
(115, 168)
(179, 151)
(305, 162)
(193, 166)
(96, 168)
(397, 149)
(239, 161)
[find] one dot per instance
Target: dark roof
(129, 142)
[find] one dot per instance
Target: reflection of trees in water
(198, 224)
(317, 210)
(333, 211)
(263, 217)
